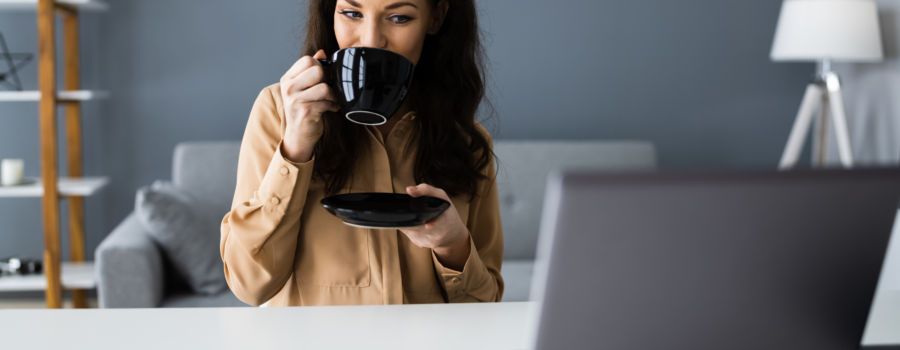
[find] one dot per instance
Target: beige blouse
(280, 245)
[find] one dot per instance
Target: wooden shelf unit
(51, 187)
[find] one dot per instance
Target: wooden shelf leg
(73, 145)
(76, 241)
(49, 173)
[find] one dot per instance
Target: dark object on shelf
(17, 266)
(14, 63)
(384, 210)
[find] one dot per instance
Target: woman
(280, 246)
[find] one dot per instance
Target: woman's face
(396, 25)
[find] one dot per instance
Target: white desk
(465, 326)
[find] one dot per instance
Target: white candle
(11, 171)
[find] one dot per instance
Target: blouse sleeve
(259, 234)
(480, 279)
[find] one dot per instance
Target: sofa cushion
(522, 170)
(208, 171)
(187, 234)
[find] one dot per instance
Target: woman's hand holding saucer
(305, 96)
(446, 235)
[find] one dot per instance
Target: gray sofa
(132, 272)
(522, 172)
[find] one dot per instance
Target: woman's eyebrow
(399, 4)
(352, 3)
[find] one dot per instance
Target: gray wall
(691, 75)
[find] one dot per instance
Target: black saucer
(384, 210)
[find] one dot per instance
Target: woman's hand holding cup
(305, 96)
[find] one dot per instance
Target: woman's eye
(400, 19)
(351, 14)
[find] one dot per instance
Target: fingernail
(410, 188)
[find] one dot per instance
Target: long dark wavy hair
(448, 88)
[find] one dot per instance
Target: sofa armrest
(129, 268)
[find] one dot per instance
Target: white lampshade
(839, 30)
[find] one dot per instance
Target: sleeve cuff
(285, 183)
(456, 283)
(297, 165)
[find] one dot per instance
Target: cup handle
(326, 63)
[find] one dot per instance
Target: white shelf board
(75, 275)
(69, 187)
(82, 95)
(34, 95)
(85, 5)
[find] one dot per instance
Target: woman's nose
(372, 36)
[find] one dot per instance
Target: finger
(320, 55)
(306, 79)
(437, 221)
(319, 92)
(413, 235)
(427, 190)
(323, 91)
(301, 65)
(414, 230)
(319, 107)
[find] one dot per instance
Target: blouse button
(284, 170)
(275, 200)
(454, 280)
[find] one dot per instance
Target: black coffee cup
(369, 83)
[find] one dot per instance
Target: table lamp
(824, 31)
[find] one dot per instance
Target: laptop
(712, 260)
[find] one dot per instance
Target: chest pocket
(330, 253)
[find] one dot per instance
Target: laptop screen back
(737, 260)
